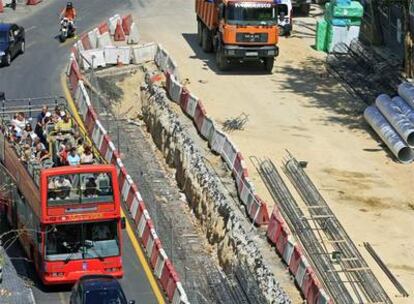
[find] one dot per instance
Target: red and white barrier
(86, 42)
(217, 141)
(278, 233)
(104, 40)
(93, 38)
(98, 134)
(112, 22)
(143, 53)
(207, 129)
(95, 57)
(126, 24)
(74, 76)
(33, 2)
(174, 88)
(117, 54)
(161, 58)
(133, 36)
(103, 28)
(119, 34)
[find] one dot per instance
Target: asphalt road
(37, 73)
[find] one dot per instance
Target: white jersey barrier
(163, 268)
(104, 40)
(94, 57)
(117, 54)
(143, 53)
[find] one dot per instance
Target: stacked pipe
(393, 120)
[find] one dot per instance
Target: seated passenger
(28, 132)
(87, 156)
(65, 125)
(19, 120)
(27, 154)
(63, 187)
(36, 142)
(73, 157)
(91, 189)
(51, 189)
(80, 147)
(63, 154)
(43, 155)
(101, 232)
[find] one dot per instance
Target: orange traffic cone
(119, 32)
(1, 6)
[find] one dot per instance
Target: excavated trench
(188, 188)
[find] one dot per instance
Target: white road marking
(30, 29)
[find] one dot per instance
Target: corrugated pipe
(406, 91)
(396, 117)
(391, 138)
(405, 108)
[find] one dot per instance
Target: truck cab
(239, 30)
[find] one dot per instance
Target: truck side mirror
(123, 223)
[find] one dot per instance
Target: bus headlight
(271, 53)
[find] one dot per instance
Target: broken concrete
(223, 222)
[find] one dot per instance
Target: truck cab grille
(248, 37)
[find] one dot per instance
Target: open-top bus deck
(65, 203)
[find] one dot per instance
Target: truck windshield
(3, 36)
(82, 241)
(250, 13)
(79, 189)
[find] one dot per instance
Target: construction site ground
(303, 109)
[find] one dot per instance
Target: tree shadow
(310, 79)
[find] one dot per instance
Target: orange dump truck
(238, 30)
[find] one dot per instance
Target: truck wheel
(305, 9)
(207, 43)
(221, 59)
(268, 64)
(199, 32)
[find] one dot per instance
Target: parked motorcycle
(67, 29)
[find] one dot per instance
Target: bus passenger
(87, 156)
(91, 188)
(19, 120)
(101, 232)
(51, 189)
(73, 158)
(65, 125)
(63, 187)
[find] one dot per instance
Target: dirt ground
(300, 109)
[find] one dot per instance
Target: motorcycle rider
(69, 12)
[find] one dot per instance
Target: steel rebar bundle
(365, 73)
(365, 282)
(297, 222)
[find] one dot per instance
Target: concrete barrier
(143, 53)
(95, 57)
(117, 54)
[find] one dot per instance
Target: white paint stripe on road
(30, 29)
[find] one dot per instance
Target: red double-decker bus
(67, 217)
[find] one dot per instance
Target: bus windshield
(250, 13)
(79, 189)
(82, 241)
